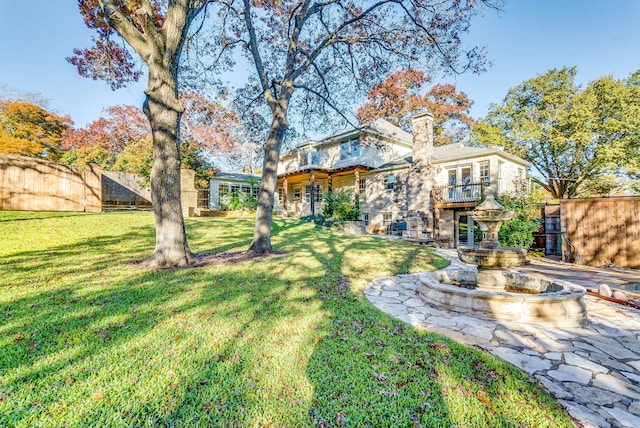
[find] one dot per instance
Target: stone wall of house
(380, 200)
(420, 178)
(446, 226)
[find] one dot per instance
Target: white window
(362, 189)
(308, 157)
(485, 176)
(365, 219)
(386, 219)
(317, 194)
(296, 194)
(280, 192)
(390, 180)
(363, 185)
(350, 149)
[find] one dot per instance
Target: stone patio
(594, 371)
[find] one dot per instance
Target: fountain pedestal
(489, 256)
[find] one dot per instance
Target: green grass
(87, 339)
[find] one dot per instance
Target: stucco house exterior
(402, 180)
(226, 183)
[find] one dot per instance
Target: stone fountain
(489, 256)
(494, 288)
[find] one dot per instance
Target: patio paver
(594, 371)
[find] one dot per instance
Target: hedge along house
(401, 179)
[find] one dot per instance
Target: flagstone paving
(594, 371)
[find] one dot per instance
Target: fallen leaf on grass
(380, 376)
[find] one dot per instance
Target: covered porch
(301, 193)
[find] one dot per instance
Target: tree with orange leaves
(398, 98)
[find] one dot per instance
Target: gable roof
(387, 129)
(380, 127)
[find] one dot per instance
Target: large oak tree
(573, 136)
(156, 31)
(328, 52)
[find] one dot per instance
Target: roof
(387, 129)
(451, 152)
(237, 176)
(460, 151)
(380, 127)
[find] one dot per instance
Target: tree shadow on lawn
(282, 341)
(160, 347)
(370, 369)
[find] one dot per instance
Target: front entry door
(465, 230)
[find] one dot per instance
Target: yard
(89, 339)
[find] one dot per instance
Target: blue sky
(527, 38)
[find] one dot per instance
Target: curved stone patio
(594, 371)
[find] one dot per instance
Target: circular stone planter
(558, 302)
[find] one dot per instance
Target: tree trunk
(261, 243)
(163, 110)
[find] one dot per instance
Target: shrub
(341, 205)
(518, 232)
(238, 201)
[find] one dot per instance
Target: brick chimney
(420, 180)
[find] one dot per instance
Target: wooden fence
(38, 185)
(604, 231)
(124, 189)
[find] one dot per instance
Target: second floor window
(350, 149)
(309, 157)
(390, 180)
(485, 177)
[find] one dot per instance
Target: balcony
(457, 196)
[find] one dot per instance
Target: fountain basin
(486, 258)
(557, 302)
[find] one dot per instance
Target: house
(226, 183)
(399, 178)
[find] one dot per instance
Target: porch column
(356, 190)
(329, 183)
(285, 190)
(312, 180)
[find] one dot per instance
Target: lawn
(89, 339)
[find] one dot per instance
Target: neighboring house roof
(236, 176)
(456, 151)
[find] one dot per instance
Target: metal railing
(445, 194)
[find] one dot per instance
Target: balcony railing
(460, 193)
